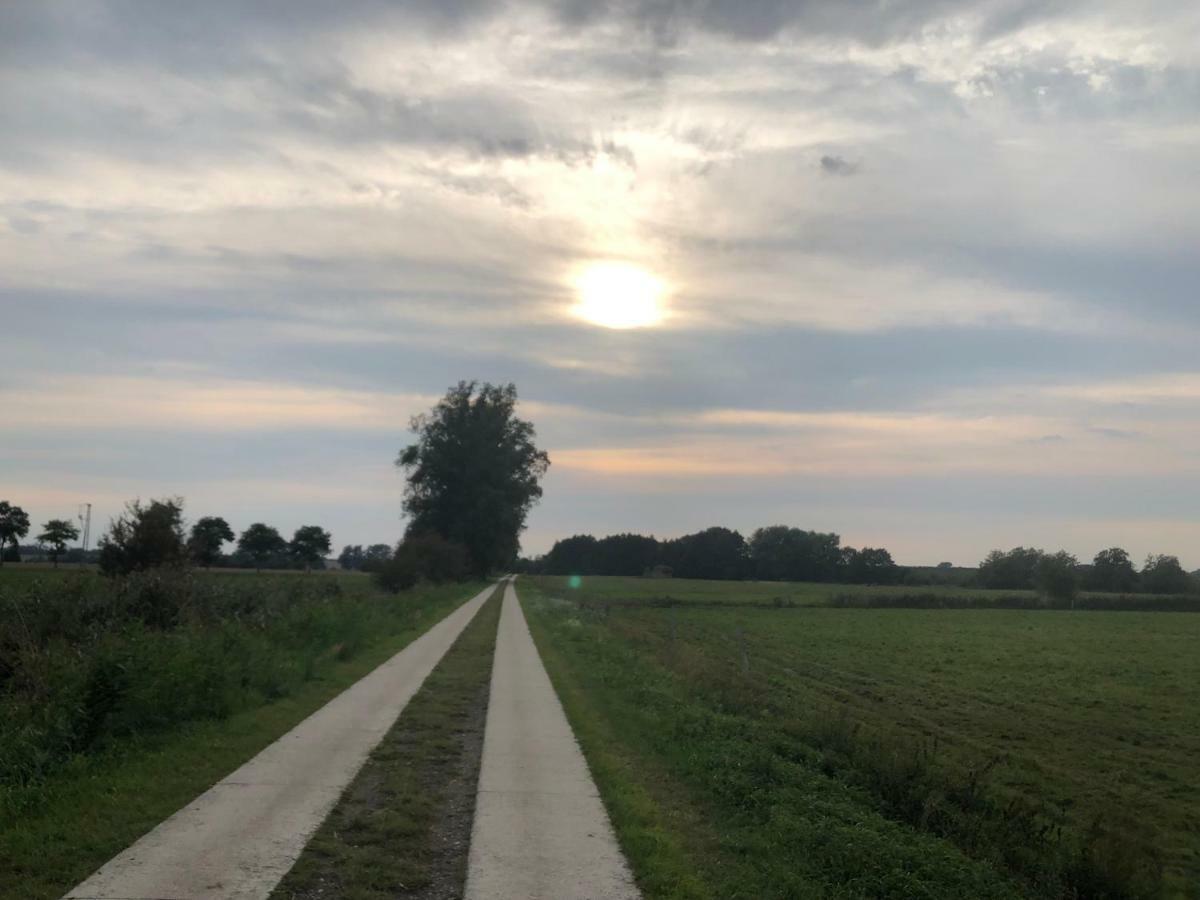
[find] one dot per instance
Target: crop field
(749, 746)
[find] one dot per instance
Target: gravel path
(241, 836)
(540, 830)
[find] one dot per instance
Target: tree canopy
(14, 525)
(473, 473)
(208, 535)
(144, 537)
(56, 534)
(309, 545)
(260, 542)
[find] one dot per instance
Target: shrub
(144, 537)
(424, 557)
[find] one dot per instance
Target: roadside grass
(403, 826)
(1057, 750)
(59, 823)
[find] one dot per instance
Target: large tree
(55, 535)
(14, 525)
(261, 542)
(208, 535)
(473, 473)
(1112, 570)
(1163, 574)
(310, 544)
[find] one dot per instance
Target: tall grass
(85, 661)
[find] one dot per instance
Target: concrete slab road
(239, 838)
(540, 831)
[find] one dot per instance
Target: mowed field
(751, 743)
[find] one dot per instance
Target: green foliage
(208, 535)
(870, 565)
(1164, 575)
(782, 553)
(474, 473)
(1014, 570)
(144, 537)
(84, 662)
(310, 544)
(1112, 571)
(1057, 575)
(260, 543)
(14, 525)
(56, 534)
(424, 557)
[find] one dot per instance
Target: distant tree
(208, 535)
(781, 553)
(1164, 575)
(945, 565)
(260, 542)
(310, 544)
(872, 565)
(625, 554)
(377, 552)
(56, 534)
(1112, 571)
(351, 557)
(1057, 576)
(474, 473)
(575, 555)
(714, 553)
(14, 525)
(1013, 570)
(144, 537)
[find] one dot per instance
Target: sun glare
(619, 295)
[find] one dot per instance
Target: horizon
(924, 278)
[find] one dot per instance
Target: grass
(664, 592)
(402, 827)
(67, 813)
(760, 751)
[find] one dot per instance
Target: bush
(86, 661)
(144, 537)
(424, 557)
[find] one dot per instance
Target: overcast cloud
(932, 266)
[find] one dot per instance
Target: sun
(619, 295)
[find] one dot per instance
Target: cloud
(836, 165)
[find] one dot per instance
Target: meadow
(121, 700)
(758, 740)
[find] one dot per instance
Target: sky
(923, 274)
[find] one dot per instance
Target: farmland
(750, 741)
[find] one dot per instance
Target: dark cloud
(836, 165)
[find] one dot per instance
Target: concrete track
(241, 836)
(540, 830)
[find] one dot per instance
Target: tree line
(773, 553)
(148, 535)
(1061, 574)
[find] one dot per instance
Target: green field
(752, 748)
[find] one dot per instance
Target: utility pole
(85, 523)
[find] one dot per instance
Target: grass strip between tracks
(403, 827)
